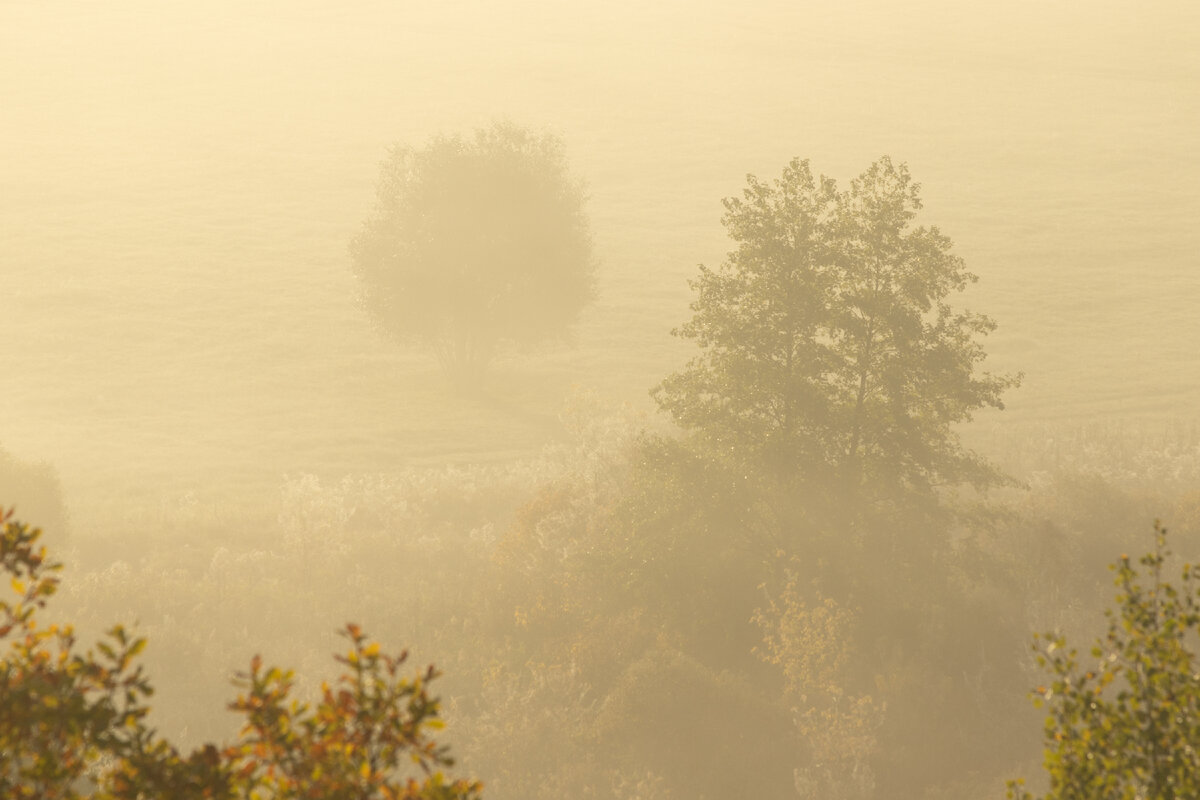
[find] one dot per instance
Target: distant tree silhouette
(475, 241)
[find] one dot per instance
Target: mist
(224, 446)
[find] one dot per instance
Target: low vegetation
(75, 721)
(589, 647)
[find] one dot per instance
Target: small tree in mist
(73, 723)
(1124, 720)
(811, 644)
(829, 344)
(476, 241)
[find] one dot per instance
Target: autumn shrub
(75, 721)
(1123, 717)
(811, 643)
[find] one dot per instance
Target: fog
(223, 447)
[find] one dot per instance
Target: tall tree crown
(829, 344)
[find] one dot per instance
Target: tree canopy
(476, 241)
(829, 343)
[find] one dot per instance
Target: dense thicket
(596, 642)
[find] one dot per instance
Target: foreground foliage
(1124, 720)
(75, 722)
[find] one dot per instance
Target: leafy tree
(475, 241)
(811, 644)
(1124, 720)
(829, 343)
(75, 722)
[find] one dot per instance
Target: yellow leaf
(372, 649)
(365, 771)
(18, 586)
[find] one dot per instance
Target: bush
(75, 722)
(1125, 718)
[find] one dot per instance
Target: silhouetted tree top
(829, 345)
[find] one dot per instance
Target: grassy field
(179, 181)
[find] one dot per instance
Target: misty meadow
(728, 401)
